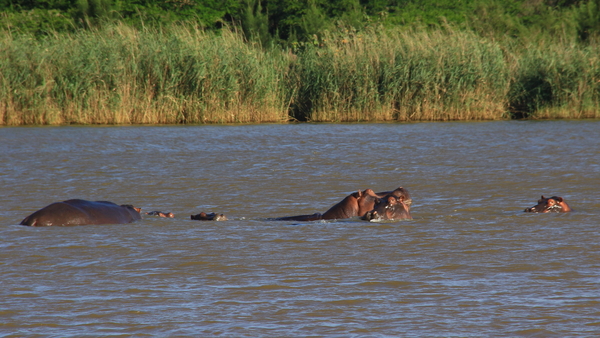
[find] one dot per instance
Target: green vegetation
(401, 76)
(122, 75)
(187, 61)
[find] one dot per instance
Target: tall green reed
(180, 74)
(121, 75)
(557, 80)
(396, 75)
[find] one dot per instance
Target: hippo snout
(372, 216)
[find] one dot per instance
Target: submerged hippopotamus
(551, 204)
(209, 217)
(395, 205)
(161, 214)
(362, 203)
(81, 212)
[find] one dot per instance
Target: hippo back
(80, 212)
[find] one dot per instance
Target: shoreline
(121, 75)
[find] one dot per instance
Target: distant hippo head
(209, 217)
(551, 204)
(395, 205)
(161, 214)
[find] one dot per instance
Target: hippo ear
(543, 197)
(558, 199)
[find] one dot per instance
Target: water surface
(470, 264)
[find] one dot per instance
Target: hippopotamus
(161, 214)
(209, 217)
(395, 205)
(358, 204)
(81, 212)
(551, 204)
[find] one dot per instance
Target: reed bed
(121, 75)
(556, 81)
(124, 76)
(402, 76)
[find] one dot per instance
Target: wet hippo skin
(551, 204)
(362, 203)
(82, 212)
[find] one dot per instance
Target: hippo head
(395, 205)
(402, 194)
(161, 214)
(551, 204)
(365, 200)
(209, 217)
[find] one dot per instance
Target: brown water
(471, 263)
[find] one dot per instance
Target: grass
(556, 81)
(180, 74)
(403, 76)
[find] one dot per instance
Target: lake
(471, 263)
